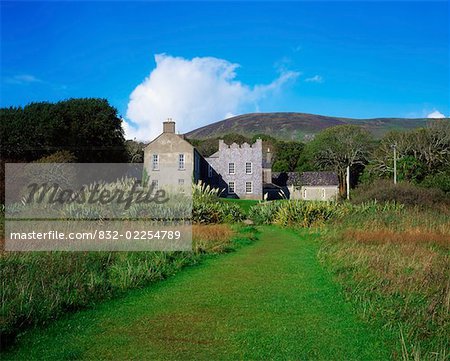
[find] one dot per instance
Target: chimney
(169, 126)
(269, 156)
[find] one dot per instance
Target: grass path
(269, 300)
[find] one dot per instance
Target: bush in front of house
(300, 213)
(264, 212)
(293, 212)
(207, 209)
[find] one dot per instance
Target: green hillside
(297, 126)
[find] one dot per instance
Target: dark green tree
(88, 128)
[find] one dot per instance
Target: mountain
(298, 126)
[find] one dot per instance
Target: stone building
(170, 161)
(237, 170)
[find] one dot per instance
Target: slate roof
(283, 179)
(319, 179)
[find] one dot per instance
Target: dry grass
(410, 237)
(212, 238)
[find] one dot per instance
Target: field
(321, 281)
(270, 300)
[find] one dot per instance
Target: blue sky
(353, 59)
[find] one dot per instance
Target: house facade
(170, 161)
(237, 170)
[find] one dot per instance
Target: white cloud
(436, 115)
(194, 92)
(23, 79)
(315, 79)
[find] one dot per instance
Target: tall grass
(394, 265)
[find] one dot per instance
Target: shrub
(440, 181)
(206, 207)
(216, 212)
(304, 213)
(309, 213)
(404, 193)
(264, 213)
(293, 212)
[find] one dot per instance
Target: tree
(288, 154)
(419, 152)
(280, 166)
(431, 145)
(135, 151)
(89, 128)
(382, 158)
(339, 147)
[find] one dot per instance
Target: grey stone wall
(239, 155)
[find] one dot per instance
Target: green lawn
(245, 204)
(269, 300)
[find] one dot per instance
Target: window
(248, 187)
(181, 185)
(248, 168)
(180, 161)
(323, 193)
(304, 193)
(155, 162)
(155, 184)
(209, 171)
(230, 168)
(230, 187)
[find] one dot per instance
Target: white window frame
(251, 168)
(323, 193)
(181, 161)
(304, 193)
(251, 187)
(155, 161)
(210, 173)
(229, 187)
(229, 168)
